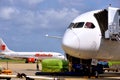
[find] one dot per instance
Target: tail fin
(3, 46)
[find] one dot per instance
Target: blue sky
(23, 23)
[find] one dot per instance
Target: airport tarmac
(30, 69)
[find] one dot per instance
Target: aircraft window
(78, 25)
(89, 25)
(71, 25)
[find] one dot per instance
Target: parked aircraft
(94, 35)
(29, 56)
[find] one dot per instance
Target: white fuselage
(87, 43)
(36, 55)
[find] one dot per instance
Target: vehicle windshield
(76, 25)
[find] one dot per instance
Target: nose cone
(70, 41)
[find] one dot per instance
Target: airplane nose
(70, 41)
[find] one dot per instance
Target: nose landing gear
(86, 67)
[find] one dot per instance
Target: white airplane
(94, 35)
(29, 56)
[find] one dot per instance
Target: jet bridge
(102, 18)
(109, 22)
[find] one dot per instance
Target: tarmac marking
(112, 78)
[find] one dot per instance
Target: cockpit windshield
(71, 25)
(89, 25)
(76, 25)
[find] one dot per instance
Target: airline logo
(2, 47)
(43, 55)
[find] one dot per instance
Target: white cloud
(71, 2)
(57, 18)
(46, 19)
(29, 3)
(27, 21)
(23, 3)
(7, 12)
(34, 2)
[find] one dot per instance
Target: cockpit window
(89, 25)
(71, 25)
(78, 25)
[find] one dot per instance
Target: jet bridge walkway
(109, 22)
